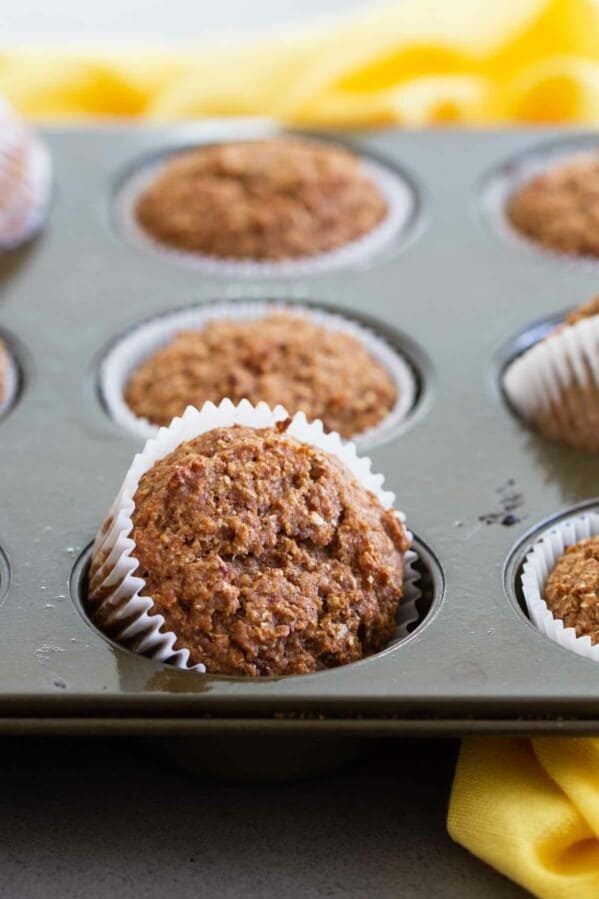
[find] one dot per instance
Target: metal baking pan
(455, 297)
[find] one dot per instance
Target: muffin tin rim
(5, 575)
(20, 361)
(426, 557)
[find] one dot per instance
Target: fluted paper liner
(26, 172)
(115, 591)
(135, 347)
(537, 567)
(538, 379)
(397, 192)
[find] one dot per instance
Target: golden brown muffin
(559, 208)
(265, 200)
(572, 588)
(281, 358)
(265, 556)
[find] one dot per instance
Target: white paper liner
(513, 175)
(538, 377)
(113, 565)
(11, 379)
(537, 567)
(397, 192)
(31, 182)
(135, 347)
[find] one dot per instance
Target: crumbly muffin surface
(264, 200)
(265, 555)
(281, 358)
(559, 208)
(572, 588)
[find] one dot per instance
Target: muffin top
(572, 588)
(559, 208)
(281, 358)
(265, 555)
(274, 199)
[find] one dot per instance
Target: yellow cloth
(413, 62)
(530, 808)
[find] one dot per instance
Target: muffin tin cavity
(428, 592)
(430, 586)
(4, 576)
(11, 379)
(501, 184)
(532, 561)
(403, 361)
(389, 234)
(552, 383)
(530, 335)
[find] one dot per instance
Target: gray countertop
(104, 818)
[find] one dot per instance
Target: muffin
(559, 208)
(256, 552)
(572, 588)
(555, 384)
(24, 180)
(264, 200)
(279, 358)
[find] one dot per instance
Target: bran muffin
(279, 358)
(265, 555)
(559, 208)
(572, 588)
(269, 200)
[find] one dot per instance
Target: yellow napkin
(530, 808)
(413, 62)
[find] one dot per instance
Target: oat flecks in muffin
(264, 200)
(572, 588)
(265, 555)
(281, 358)
(559, 208)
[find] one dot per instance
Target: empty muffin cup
(141, 343)
(538, 566)
(117, 602)
(286, 214)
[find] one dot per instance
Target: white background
(158, 19)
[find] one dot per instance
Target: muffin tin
(450, 294)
